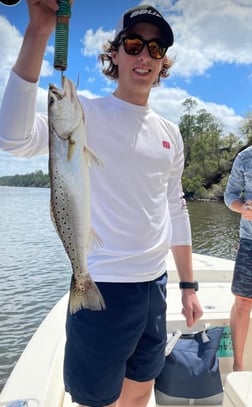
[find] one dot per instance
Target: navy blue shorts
(127, 339)
(242, 278)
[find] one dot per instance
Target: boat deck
(42, 382)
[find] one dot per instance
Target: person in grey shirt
(238, 198)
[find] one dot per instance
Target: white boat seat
(238, 390)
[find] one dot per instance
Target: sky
(212, 53)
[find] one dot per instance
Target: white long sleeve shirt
(136, 197)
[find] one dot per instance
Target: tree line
(34, 179)
(209, 155)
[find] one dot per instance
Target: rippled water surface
(35, 272)
(215, 229)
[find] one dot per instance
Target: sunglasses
(134, 44)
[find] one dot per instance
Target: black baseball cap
(146, 14)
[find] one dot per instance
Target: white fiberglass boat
(36, 380)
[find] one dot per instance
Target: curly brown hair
(111, 71)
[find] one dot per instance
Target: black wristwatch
(189, 284)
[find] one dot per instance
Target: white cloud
(42, 100)
(10, 43)
(93, 41)
(168, 102)
(208, 32)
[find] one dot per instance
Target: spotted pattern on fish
(69, 161)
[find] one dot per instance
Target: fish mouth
(59, 93)
(54, 94)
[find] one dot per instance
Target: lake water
(35, 271)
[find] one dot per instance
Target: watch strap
(189, 284)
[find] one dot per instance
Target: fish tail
(85, 295)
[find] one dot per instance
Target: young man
(113, 356)
(238, 197)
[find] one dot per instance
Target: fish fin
(94, 241)
(70, 149)
(92, 157)
(85, 295)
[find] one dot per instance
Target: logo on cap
(146, 11)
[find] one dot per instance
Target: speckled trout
(69, 161)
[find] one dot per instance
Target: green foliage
(208, 153)
(34, 179)
(246, 127)
(193, 186)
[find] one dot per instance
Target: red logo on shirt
(166, 144)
